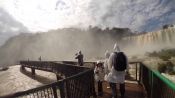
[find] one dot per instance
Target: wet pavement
(14, 79)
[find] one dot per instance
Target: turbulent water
(14, 80)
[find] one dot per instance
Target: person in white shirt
(99, 76)
(115, 76)
(107, 54)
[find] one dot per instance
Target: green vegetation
(167, 67)
(163, 54)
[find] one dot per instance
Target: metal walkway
(78, 82)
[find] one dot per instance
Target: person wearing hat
(114, 75)
(99, 76)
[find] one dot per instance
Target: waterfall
(151, 41)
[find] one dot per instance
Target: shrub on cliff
(167, 67)
(163, 54)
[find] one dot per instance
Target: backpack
(120, 61)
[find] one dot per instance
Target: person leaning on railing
(116, 75)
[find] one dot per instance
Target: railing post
(58, 76)
(67, 90)
(93, 88)
(33, 71)
(152, 83)
(140, 72)
(61, 87)
(22, 67)
(54, 91)
(136, 71)
(92, 85)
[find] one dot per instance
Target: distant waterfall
(152, 40)
(166, 36)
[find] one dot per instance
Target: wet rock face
(14, 79)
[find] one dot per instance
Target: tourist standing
(117, 65)
(99, 76)
(79, 56)
(107, 54)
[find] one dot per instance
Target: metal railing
(136, 74)
(79, 82)
(156, 85)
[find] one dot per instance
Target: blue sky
(43, 15)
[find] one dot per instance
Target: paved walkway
(14, 79)
(133, 90)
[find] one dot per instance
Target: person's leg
(122, 90)
(114, 89)
(100, 88)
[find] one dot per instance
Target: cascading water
(152, 40)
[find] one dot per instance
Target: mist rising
(61, 44)
(151, 41)
(9, 26)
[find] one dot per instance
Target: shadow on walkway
(133, 90)
(39, 78)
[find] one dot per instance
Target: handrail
(73, 79)
(163, 78)
(147, 76)
(156, 85)
(31, 90)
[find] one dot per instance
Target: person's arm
(95, 70)
(77, 56)
(105, 66)
(110, 61)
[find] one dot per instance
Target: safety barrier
(79, 82)
(156, 85)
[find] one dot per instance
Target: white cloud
(130, 13)
(42, 15)
(9, 27)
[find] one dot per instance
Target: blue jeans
(114, 89)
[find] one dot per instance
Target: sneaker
(108, 87)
